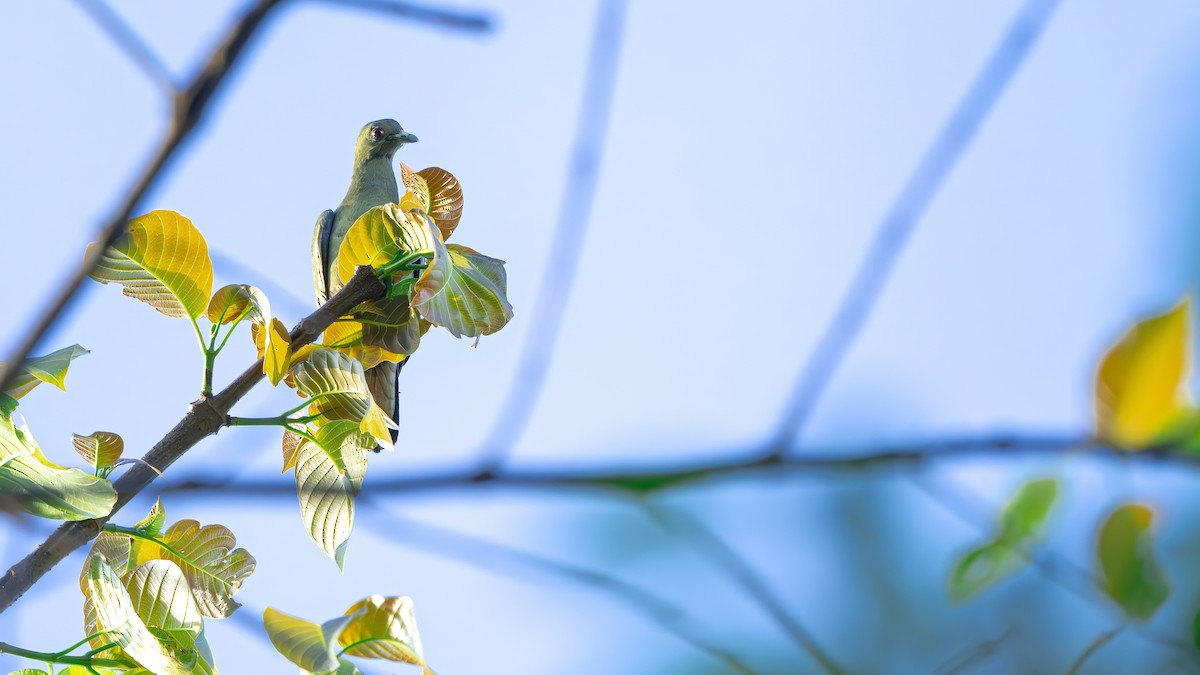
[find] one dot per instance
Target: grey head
(381, 139)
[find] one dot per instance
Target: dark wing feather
(321, 253)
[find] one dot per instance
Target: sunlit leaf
(329, 474)
(304, 643)
(101, 449)
(437, 192)
(114, 549)
(391, 325)
(161, 260)
(338, 383)
(37, 486)
(462, 291)
(384, 629)
(161, 598)
(114, 609)
(379, 235)
(207, 555)
(347, 668)
(291, 443)
(348, 337)
(1130, 572)
(51, 368)
(152, 525)
(1021, 523)
(1140, 386)
(232, 302)
(278, 353)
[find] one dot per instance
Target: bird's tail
(384, 382)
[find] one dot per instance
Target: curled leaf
(101, 449)
(385, 628)
(51, 368)
(207, 555)
(232, 302)
(462, 291)
(162, 260)
(115, 610)
(33, 484)
(380, 235)
(304, 643)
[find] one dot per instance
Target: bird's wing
(384, 382)
(320, 254)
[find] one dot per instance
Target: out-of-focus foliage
(375, 627)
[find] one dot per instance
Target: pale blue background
(753, 149)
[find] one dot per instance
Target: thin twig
(131, 43)
(737, 464)
(206, 417)
(591, 134)
(971, 656)
(1092, 648)
(437, 17)
(494, 557)
(190, 106)
(925, 181)
(728, 560)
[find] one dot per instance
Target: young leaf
(1140, 384)
(114, 608)
(1130, 573)
(329, 474)
(161, 598)
(438, 193)
(51, 368)
(312, 647)
(291, 443)
(379, 236)
(206, 554)
(232, 302)
(152, 524)
(101, 449)
(279, 351)
(349, 337)
(391, 325)
(338, 382)
(37, 486)
(462, 290)
(162, 261)
(1021, 522)
(384, 629)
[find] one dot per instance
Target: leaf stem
(232, 326)
(402, 263)
(209, 358)
(1093, 647)
(46, 657)
(278, 421)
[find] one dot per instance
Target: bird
(373, 183)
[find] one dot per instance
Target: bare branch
(205, 418)
(437, 17)
(906, 211)
(1093, 647)
(131, 43)
(972, 656)
(190, 106)
(494, 557)
(737, 568)
(591, 132)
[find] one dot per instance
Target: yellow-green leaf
(291, 443)
(438, 193)
(101, 449)
(1140, 384)
(304, 643)
(278, 352)
(463, 291)
(154, 521)
(391, 325)
(348, 337)
(381, 234)
(337, 383)
(207, 555)
(329, 474)
(50, 368)
(232, 302)
(385, 628)
(114, 610)
(33, 484)
(1021, 523)
(162, 260)
(1130, 573)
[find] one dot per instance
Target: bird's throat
(373, 183)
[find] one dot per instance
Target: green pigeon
(372, 184)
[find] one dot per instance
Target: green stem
(280, 421)
(399, 264)
(209, 357)
(142, 535)
(81, 643)
(45, 657)
(231, 328)
(1092, 648)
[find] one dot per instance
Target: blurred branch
(901, 219)
(638, 481)
(204, 418)
(591, 133)
(972, 656)
(131, 43)
(1092, 648)
(492, 557)
(438, 17)
(727, 559)
(190, 105)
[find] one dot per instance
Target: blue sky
(752, 152)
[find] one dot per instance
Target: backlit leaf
(154, 521)
(291, 443)
(348, 337)
(114, 609)
(463, 291)
(161, 260)
(161, 598)
(278, 353)
(304, 643)
(446, 199)
(232, 302)
(100, 448)
(1021, 523)
(381, 234)
(338, 383)
(35, 485)
(1130, 572)
(1140, 384)
(51, 368)
(329, 474)
(391, 325)
(385, 628)
(207, 555)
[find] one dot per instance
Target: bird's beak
(404, 137)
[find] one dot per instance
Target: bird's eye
(377, 133)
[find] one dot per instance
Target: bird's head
(382, 138)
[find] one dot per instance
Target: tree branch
(205, 418)
(131, 43)
(472, 22)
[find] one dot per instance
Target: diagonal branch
(438, 17)
(189, 108)
(131, 43)
(205, 418)
(900, 221)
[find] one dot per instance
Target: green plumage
(372, 184)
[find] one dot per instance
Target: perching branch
(205, 418)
